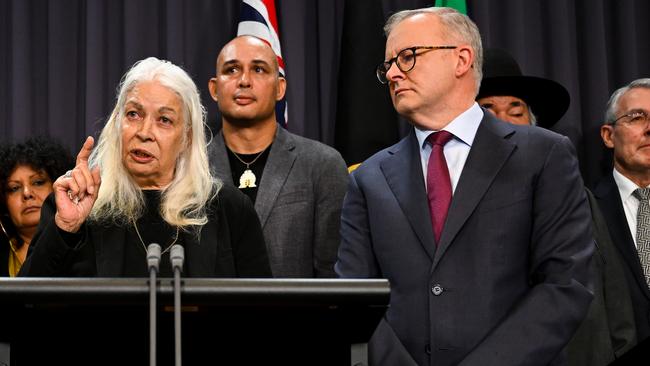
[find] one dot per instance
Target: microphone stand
(153, 264)
(177, 257)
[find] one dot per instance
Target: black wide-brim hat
(548, 99)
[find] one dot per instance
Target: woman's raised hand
(76, 191)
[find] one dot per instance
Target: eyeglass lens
(405, 61)
(636, 118)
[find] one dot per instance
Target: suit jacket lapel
(403, 172)
(278, 165)
(489, 152)
(219, 159)
(109, 250)
(612, 209)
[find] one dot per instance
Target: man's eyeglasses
(637, 119)
(405, 60)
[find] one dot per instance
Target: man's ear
(212, 86)
(465, 60)
(282, 88)
(606, 133)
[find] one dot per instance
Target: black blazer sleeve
(247, 240)
(52, 255)
(4, 256)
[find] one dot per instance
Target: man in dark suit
(608, 331)
(296, 184)
(627, 132)
(501, 276)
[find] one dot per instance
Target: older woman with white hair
(147, 181)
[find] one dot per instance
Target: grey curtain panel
(61, 61)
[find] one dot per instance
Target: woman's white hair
(185, 200)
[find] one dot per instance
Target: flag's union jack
(258, 18)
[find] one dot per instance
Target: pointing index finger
(85, 151)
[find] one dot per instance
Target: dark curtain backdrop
(61, 60)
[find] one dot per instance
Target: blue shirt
(464, 129)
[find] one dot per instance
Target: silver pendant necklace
(145, 247)
(248, 178)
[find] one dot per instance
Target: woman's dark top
(153, 229)
(4, 255)
(231, 244)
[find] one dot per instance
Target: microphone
(153, 265)
(177, 257)
(153, 257)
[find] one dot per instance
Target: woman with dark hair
(26, 174)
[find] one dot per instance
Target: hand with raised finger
(76, 191)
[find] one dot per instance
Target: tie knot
(440, 138)
(641, 193)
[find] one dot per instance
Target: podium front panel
(225, 321)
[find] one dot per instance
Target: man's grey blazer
(299, 201)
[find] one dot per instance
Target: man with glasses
(481, 227)
(623, 195)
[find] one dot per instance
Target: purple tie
(438, 182)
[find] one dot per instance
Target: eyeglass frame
(394, 59)
(632, 115)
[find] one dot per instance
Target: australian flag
(258, 18)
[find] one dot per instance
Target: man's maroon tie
(438, 182)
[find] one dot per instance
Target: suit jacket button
(437, 289)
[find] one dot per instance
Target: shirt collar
(625, 186)
(463, 127)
